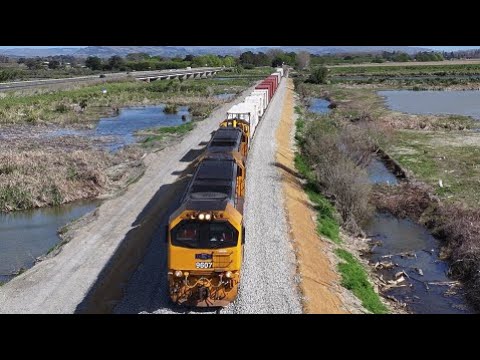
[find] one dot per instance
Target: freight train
(206, 234)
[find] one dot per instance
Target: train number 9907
(203, 265)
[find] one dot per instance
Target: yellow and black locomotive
(206, 234)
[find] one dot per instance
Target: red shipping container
(274, 84)
(268, 87)
(274, 78)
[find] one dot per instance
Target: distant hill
(172, 51)
(29, 52)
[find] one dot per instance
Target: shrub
(170, 109)
(318, 75)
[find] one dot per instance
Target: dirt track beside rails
(319, 280)
(113, 243)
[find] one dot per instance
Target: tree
(189, 57)
(277, 61)
(247, 57)
(54, 64)
(94, 63)
(303, 60)
(116, 62)
(34, 64)
(319, 75)
(137, 56)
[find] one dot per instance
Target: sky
(451, 48)
(439, 48)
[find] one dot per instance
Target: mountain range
(172, 51)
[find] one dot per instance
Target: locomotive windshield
(204, 235)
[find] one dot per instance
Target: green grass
(453, 157)
(162, 132)
(59, 106)
(13, 194)
(327, 224)
(355, 279)
(399, 70)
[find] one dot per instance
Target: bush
(337, 157)
(460, 227)
(318, 75)
(170, 109)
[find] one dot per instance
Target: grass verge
(355, 279)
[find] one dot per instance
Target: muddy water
(28, 234)
(434, 102)
(319, 106)
(409, 247)
(412, 249)
(378, 173)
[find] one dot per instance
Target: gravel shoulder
(62, 283)
(317, 268)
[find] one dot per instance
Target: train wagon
(246, 112)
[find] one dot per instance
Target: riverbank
(438, 154)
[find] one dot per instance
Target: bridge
(138, 75)
(180, 74)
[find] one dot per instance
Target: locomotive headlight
(201, 216)
(228, 274)
(178, 273)
(208, 217)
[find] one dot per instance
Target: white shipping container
(258, 101)
(278, 77)
(264, 93)
(247, 112)
(280, 70)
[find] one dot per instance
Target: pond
(434, 102)
(119, 130)
(319, 106)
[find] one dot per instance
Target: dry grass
(404, 200)
(460, 228)
(31, 178)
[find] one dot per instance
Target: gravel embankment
(268, 275)
(111, 246)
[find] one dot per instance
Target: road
(16, 85)
(268, 274)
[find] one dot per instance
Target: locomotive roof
(213, 184)
(225, 139)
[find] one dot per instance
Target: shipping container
(272, 81)
(280, 71)
(274, 78)
(258, 101)
(268, 87)
(277, 76)
(247, 112)
(264, 94)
